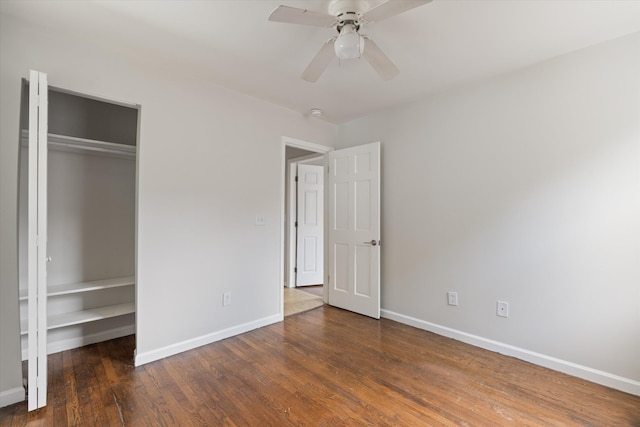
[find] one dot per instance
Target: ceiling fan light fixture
(346, 16)
(349, 44)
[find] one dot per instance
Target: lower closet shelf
(84, 316)
(95, 285)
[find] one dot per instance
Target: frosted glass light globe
(349, 44)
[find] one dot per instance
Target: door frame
(321, 150)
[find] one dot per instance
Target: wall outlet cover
(502, 309)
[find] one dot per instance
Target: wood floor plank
(324, 367)
(58, 403)
(71, 393)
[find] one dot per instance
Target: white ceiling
(437, 46)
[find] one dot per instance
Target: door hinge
(295, 269)
(296, 178)
(296, 224)
(39, 102)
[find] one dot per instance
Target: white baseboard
(594, 375)
(11, 396)
(170, 350)
(68, 344)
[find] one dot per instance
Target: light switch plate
(452, 298)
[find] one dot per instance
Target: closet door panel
(37, 240)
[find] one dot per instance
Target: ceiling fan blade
(391, 8)
(378, 60)
(293, 15)
(320, 62)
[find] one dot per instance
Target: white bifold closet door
(37, 240)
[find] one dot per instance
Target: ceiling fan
(347, 16)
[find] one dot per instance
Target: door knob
(372, 243)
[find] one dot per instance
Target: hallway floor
(297, 300)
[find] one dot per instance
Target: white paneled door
(310, 229)
(37, 240)
(354, 229)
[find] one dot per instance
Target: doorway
(303, 249)
(351, 277)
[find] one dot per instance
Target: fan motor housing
(347, 9)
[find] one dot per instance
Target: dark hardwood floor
(324, 367)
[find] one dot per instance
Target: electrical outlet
(452, 298)
(260, 220)
(502, 309)
(226, 298)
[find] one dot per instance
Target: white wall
(523, 188)
(210, 160)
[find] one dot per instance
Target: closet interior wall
(91, 221)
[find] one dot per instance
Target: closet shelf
(74, 288)
(84, 316)
(74, 144)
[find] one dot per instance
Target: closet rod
(89, 148)
(75, 143)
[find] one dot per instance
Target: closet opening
(90, 182)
